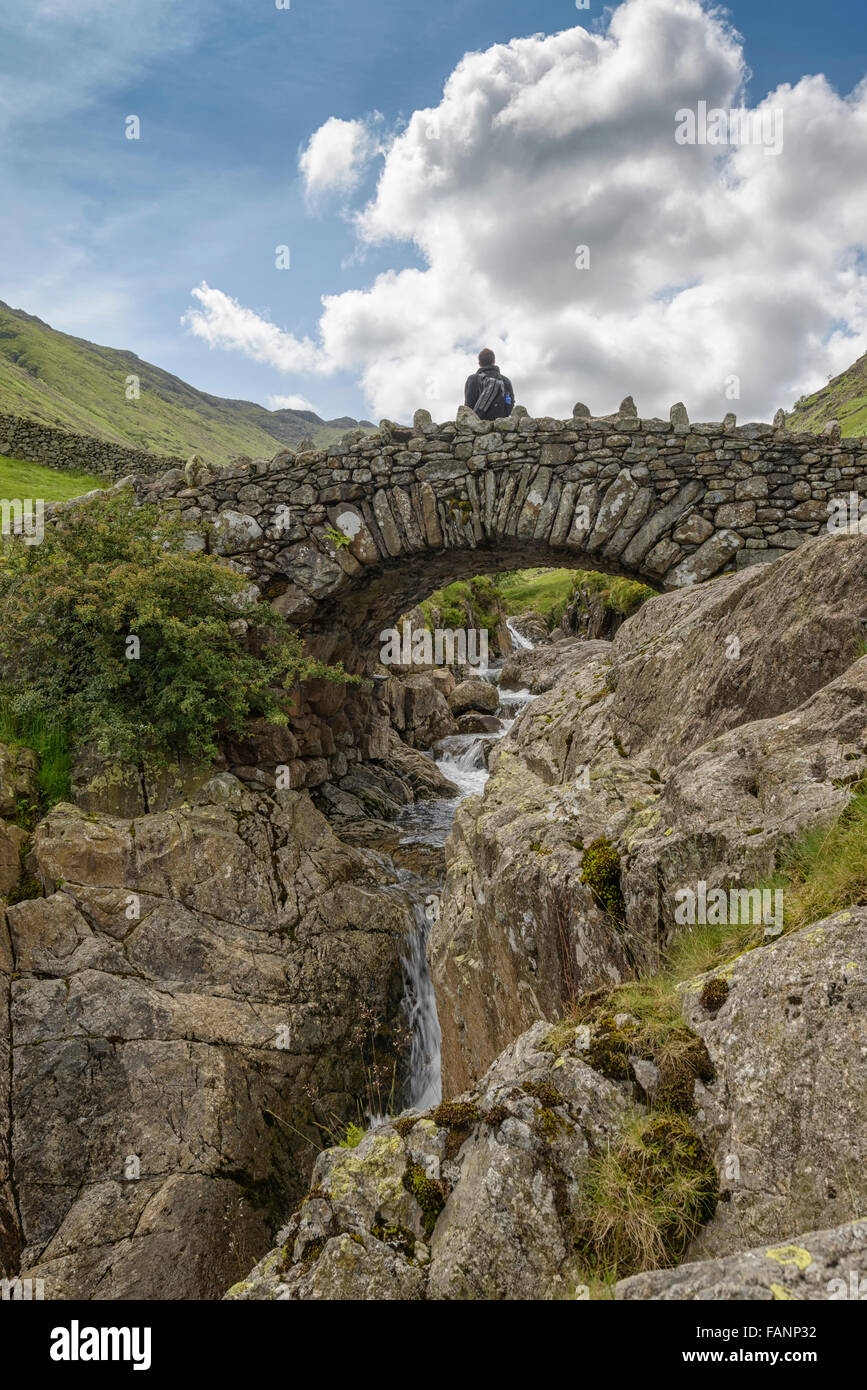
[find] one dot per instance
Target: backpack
(491, 396)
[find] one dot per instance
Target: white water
(522, 644)
(461, 758)
(424, 1084)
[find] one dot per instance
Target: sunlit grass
(34, 481)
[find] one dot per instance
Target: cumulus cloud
(725, 276)
(336, 156)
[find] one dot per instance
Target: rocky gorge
(386, 1026)
(685, 763)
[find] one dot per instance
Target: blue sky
(109, 236)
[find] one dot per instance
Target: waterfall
(461, 758)
(424, 1083)
(522, 644)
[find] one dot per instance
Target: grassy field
(537, 591)
(549, 591)
(20, 479)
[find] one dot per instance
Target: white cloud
(223, 322)
(290, 403)
(337, 155)
(706, 263)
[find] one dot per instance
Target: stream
(462, 758)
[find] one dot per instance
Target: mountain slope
(77, 385)
(843, 399)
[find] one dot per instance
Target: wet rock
(474, 694)
(532, 626)
(478, 724)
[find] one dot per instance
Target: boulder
(478, 724)
(474, 694)
(417, 770)
(786, 1116)
(427, 716)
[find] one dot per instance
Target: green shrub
(111, 571)
(467, 603)
(623, 596)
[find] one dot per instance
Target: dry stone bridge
(343, 540)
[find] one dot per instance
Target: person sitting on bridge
(488, 392)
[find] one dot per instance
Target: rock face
(589, 616)
(474, 1200)
(817, 1267)
(786, 1116)
(545, 666)
(685, 746)
(188, 1003)
(420, 710)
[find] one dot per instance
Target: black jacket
(473, 388)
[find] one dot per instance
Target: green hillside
(76, 385)
(843, 399)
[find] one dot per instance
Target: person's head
(486, 358)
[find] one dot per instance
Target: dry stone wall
(38, 443)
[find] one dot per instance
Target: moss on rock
(430, 1194)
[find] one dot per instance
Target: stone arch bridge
(343, 540)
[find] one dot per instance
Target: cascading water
(424, 1084)
(522, 643)
(462, 758)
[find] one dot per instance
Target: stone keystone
(580, 411)
(627, 407)
(421, 419)
(730, 422)
(780, 420)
